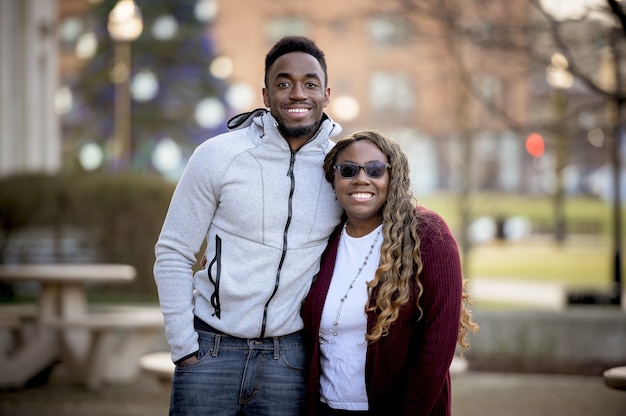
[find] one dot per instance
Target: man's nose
(298, 92)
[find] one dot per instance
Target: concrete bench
(116, 341)
(17, 324)
(10, 321)
(615, 377)
(12, 315)
(160, 365)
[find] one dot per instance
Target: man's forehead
(296, 64)
(287, 74)
(298, 60)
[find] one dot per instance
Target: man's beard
(297, 132)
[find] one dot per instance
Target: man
(258, 196)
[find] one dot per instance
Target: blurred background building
(489, 99)
(30, 136)
(461, 85)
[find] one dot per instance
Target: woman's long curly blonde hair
(400, 259)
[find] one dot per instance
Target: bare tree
(517, 41)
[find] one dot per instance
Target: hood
(243, 120)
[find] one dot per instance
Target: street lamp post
(614, 116)
(560, 79)
(125, 25)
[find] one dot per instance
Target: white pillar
(29, 127)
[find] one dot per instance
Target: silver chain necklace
(333, 330)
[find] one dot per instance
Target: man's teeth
(297, 110)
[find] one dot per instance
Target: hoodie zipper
(286, 229)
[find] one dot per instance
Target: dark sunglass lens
(348, 170)
(375, 169)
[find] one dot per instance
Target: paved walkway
(474, 394)
(509, 394)
(542, 295)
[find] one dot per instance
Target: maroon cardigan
(407, 371)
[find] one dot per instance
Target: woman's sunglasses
(374, 170)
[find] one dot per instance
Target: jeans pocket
(186, 365)
(202, 353)
(293, 358)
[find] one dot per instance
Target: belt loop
(276, 348)
(216, 347)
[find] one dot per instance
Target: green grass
(582, 214)
(584, 260)
(582, 263)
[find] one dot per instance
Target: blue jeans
(235, 376)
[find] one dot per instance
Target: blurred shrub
(84, 218)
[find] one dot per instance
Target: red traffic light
(535, 145)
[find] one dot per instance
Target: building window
(389, 30)
(287, 25)
(392, 91)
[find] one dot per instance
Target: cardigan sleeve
(434, 340)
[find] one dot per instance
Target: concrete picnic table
(65, 329)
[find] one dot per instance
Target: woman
(385, 313)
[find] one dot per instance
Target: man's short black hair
(290, 44)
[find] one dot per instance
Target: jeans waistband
(284, 341)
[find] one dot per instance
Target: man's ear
(266, 97)
(326, 97)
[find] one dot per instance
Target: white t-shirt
(342, 356)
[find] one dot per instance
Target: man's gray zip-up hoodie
(266, 213)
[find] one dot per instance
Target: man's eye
(311, 85)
